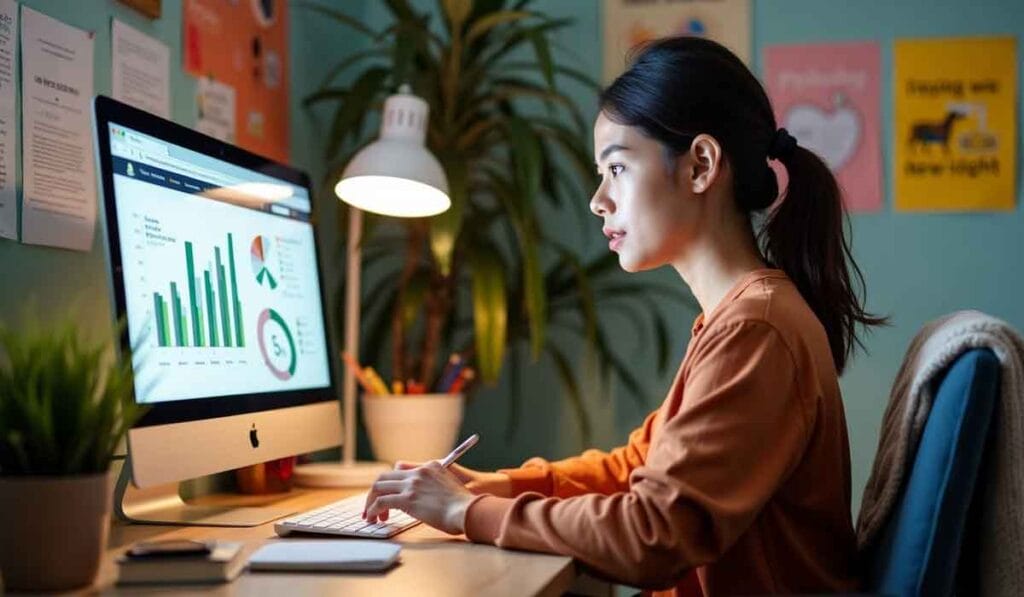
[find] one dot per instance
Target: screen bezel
(108, 111)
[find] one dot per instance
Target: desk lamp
(395, 176)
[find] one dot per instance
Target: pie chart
(259, 252)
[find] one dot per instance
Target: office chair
(919, 549)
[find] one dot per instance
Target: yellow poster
(955, 124)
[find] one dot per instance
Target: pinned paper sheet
(141, 73)
(955, 124)
(628, 23)
(8, 118)
(216, 106)
(827, 96)
(59, 207)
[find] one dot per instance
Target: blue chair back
(918, 551)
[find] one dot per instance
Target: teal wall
(917, 266)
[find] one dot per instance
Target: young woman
(740, 481)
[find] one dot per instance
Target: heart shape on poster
(832, 135)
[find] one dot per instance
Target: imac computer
(214, 272)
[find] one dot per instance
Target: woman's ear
(705, 163)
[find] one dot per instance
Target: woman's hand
(478, 482)
(430, 493)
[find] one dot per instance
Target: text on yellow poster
(955, 124)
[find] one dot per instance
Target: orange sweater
(738, 483)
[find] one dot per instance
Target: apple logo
(834, 136)
(253, 439)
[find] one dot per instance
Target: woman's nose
(600, 203)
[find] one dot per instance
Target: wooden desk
(432, 563)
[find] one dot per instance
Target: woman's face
(643, 203)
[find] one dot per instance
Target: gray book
(224, 563)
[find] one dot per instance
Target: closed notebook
(222, 564)
(329, 554)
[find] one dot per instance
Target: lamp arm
(353, 277)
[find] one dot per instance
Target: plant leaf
(350, 114)
(401, 10)
(559, 69)
(483, 25)
(456, 11)
(324, 94)
(534, 293)
(445, 227)
(490, 310)
(348, 61)
(543, 51)
(511, 39)
(525, 150)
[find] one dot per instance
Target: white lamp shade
(396, 175)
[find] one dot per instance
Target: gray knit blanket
(1001, 527)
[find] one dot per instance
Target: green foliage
(63, 406)
(483, 277)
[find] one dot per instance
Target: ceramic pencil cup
(412, 427)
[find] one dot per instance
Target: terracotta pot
(412, 427)
(54, 530)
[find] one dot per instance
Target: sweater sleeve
(740, 428)
(592, 472)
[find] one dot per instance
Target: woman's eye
(615, 169)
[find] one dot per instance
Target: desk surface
(432, 562)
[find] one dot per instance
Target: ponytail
(678, 87)
(805, 236)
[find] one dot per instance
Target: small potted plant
(64, 407)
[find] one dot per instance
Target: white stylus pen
(460, 450)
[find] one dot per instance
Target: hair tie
(782, 146)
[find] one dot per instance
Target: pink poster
(827, 96)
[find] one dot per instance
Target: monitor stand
(163, 505)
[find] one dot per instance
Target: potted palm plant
(486, 277)
(63, 409)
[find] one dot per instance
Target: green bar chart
(222, 287)
(160, 309)
(239, 334)
(213, 313)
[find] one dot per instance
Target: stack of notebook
(223, 563)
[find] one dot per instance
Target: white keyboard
(345, 517)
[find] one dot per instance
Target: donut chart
(276, 344)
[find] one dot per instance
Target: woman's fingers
(381, 505)
(380, 488)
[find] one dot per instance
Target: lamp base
(339, 474)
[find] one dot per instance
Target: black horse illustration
(928, 132)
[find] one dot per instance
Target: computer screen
(221, 287)
(214, 272)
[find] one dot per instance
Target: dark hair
(678, 87)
